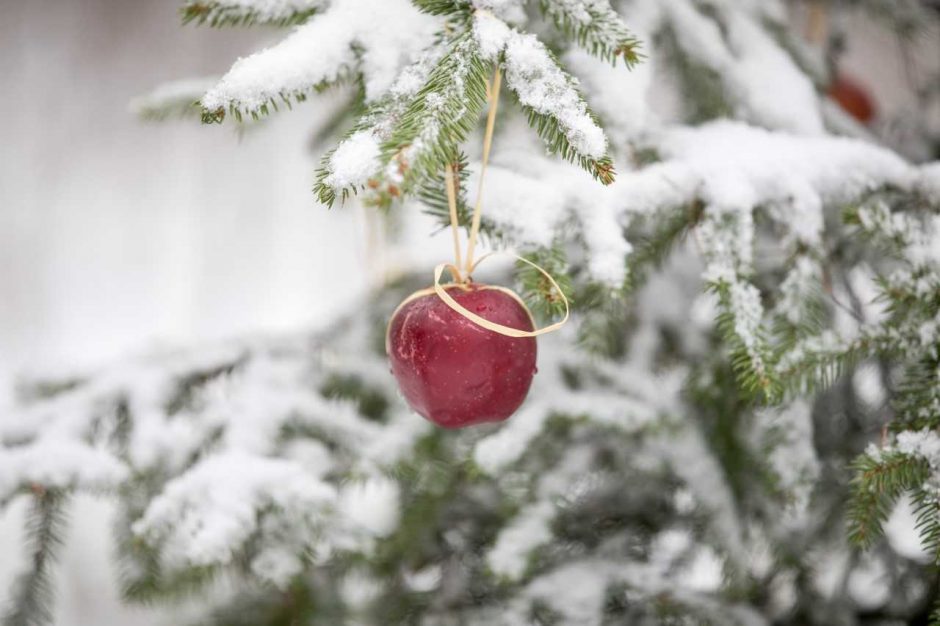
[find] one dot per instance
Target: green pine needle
(31, 601)
(217, 15)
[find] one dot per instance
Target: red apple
(454, 372)
(853, 98)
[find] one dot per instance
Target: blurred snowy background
(118, 237)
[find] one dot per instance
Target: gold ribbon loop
(493, 326)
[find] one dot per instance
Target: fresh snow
(539, 83)
(355, 160)
(202, 516)
(377, 38)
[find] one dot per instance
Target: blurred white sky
(117, 235)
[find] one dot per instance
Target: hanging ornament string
(454, 227)
(484, 161)
(462, 278)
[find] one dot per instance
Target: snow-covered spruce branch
(219, 13)
(596, 27)
(404, 139)
(740, 321)
(348, 41)
(910, 463)
(548, 95)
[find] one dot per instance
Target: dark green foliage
(605, 323)
(298, 604)
(216, 14)
(371, 402)
(654, 241)
(459, 8)
(725, 416)
(541, 296)
(31, 600)
(917, 404)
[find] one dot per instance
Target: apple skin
(853, 98)
(454, 372)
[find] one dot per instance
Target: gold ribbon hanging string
(462, 278)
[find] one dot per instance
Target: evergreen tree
(749, 385)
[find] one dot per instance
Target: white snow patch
(388, 34)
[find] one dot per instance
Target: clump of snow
(424, 580)
(786, 435)
(748, 312)
(205, 515)
(58, 463)
(509, 556)
(924, 444)
(376, 38)
(929, 183)
(278, 564)
(354, 161)
(371, 506)
(491, 34)
(801, 285)
(868, 385)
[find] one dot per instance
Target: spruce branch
(536, 290)
(554, 136)
(416, 134)
(285, 99)
(442, 114)
(917, 404)
(451, 8)
(219, 13)
(432, 193)
(879, 481)
(555, 108)
(739, 322)
(31, 603)
(596, 26)
(653, 247)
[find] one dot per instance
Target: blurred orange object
(853, 98)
